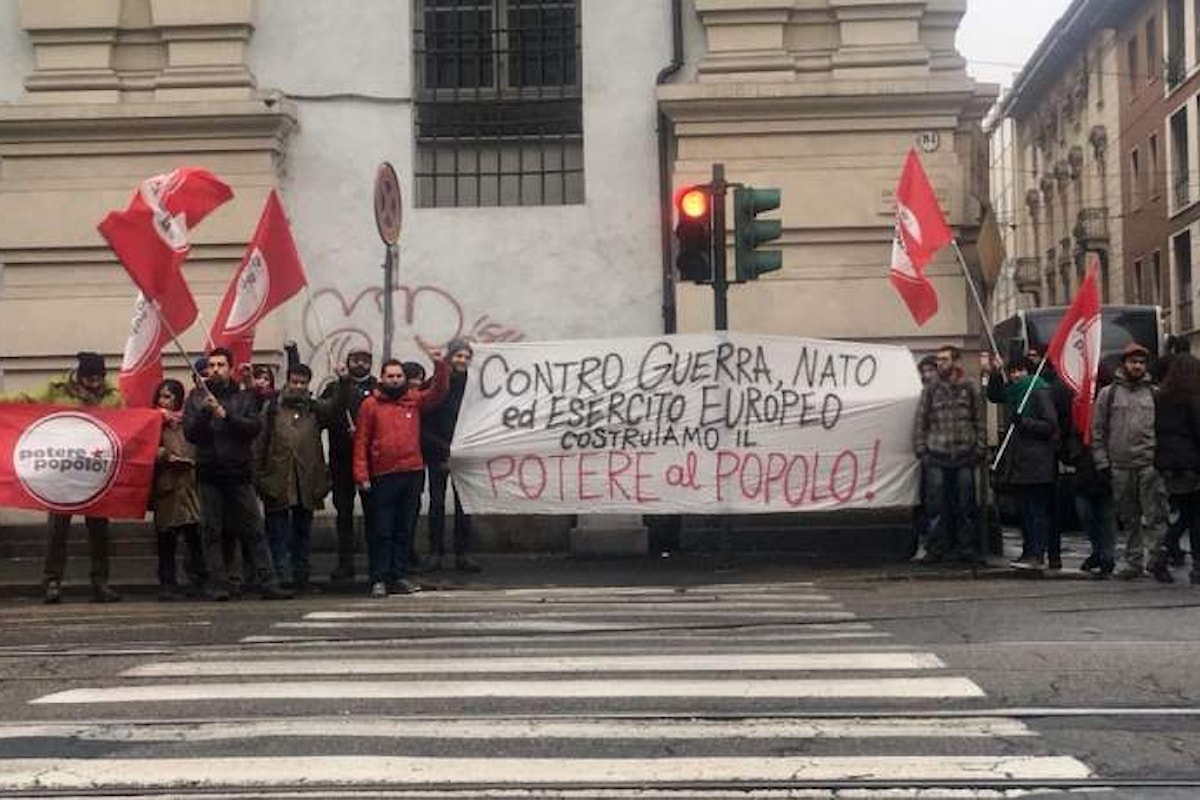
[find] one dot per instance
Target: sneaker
(1090, 563)
(103, 594)
(1028, 562)
(273, 591)
(1162, 574)
(464, 564)
(404, 586)
(1105, 569)
(378, 590)
(1130, 573)
(53, 592)
(1054, 562)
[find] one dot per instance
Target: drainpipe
(669, 313)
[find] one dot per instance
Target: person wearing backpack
(1123, 445)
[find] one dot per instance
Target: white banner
(713, 423)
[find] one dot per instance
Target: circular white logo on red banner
(253, 286)
(67, 461)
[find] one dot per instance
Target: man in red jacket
(389, 467)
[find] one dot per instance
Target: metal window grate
(499, 110)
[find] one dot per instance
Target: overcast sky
(997, 37)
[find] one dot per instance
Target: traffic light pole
(720, 278)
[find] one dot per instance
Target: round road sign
(387, 204)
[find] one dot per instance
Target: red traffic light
(693, 204)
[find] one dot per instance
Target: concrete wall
(550, 272)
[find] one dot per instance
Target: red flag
(921, 231)
(1075, 350)
(141, 366)
(150, 237)
(269, 275)
(75, 460)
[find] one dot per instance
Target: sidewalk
(135, 575)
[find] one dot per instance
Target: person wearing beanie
(437, 432)
(1123, 445)
(354, 384)
(85, 385)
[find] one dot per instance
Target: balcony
(1091, 228)
(1028, 275)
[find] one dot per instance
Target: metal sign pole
(388, 217)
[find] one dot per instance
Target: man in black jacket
(355, 383)
(220, 420)
(437, 432)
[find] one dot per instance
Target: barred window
(499, 110)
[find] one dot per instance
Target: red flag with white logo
(77, 460)
(141, 365)
(269, 275)
(921, 231)
(150, 237)
(1075, 350)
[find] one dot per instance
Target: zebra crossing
(610, 691)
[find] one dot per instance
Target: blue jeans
(393, 500)
(288, 533)
(1036, 503)
(949, 496)
(1097, 516)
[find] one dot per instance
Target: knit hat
(927, 361)
(1134, 349)
(89, 365)
(358, 351)
(458, 344)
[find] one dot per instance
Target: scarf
(1014, 393)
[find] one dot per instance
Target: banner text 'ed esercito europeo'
(693, 424)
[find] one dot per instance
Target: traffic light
(694, 232)
(749, 233)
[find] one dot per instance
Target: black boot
(1090, 563)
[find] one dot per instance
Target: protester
(948, 438)
(219, 419)
(414, 376)
(1177, 455)
(174, 499)
(1123, 446)
(1176, 557)
(86, 385)
(355, 383)
(1093, 496)
(437, 432)
(1029, 465)
(1062, 396)
(291, 475)
(927, 367)
(261, 384)
(388, 465)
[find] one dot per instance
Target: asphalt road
(619, 680)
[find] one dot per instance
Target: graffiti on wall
(424, 316)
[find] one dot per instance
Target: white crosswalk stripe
(614, 689)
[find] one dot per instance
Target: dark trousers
(439, 478)
(193, 555)
(1176, 527)
(392, 499)
(56, 552)
(234, 507)
(288, 532)
(344, 492)
(1098, 519)
(1036, 503)
(950, 512)
(1189, 516)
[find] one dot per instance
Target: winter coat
(1031, 458)
(949, 428)
(1123, 424)
(289, 459)
(67, 392)
(1177, 434)
(346, 396)
(174, 499)
(387, 436)
(437, 426)
(224, 447)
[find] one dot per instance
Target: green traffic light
(749, 233)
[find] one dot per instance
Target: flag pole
(321, 331)
(987, 323)
(187, 359)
